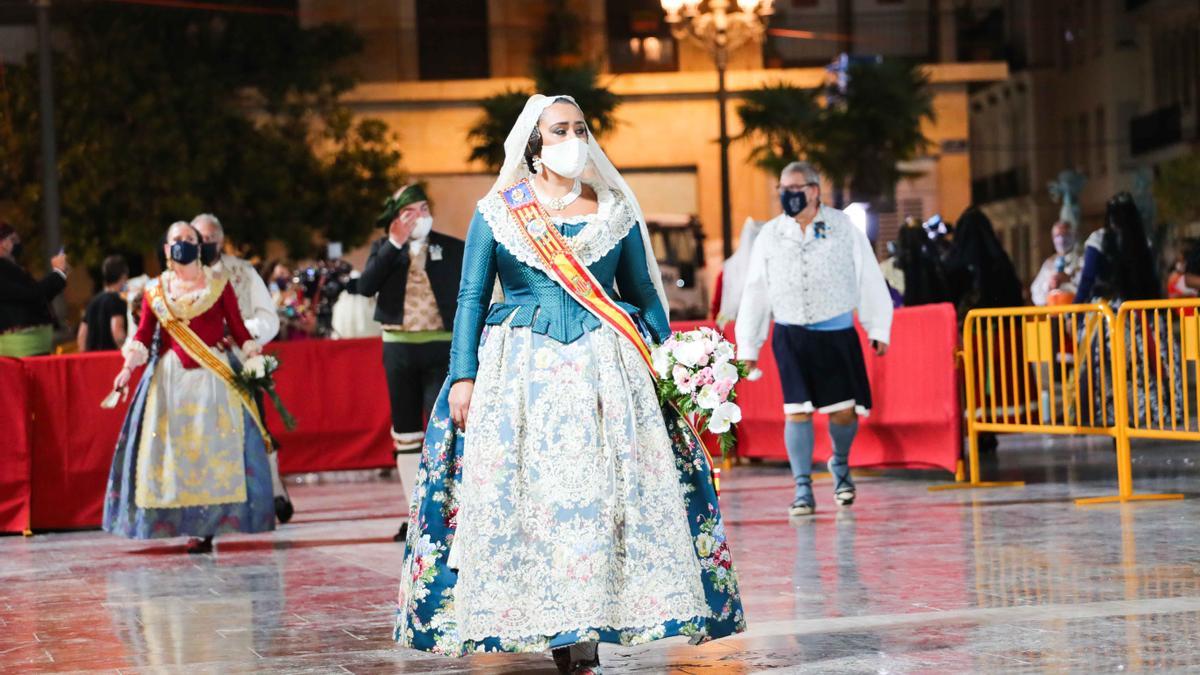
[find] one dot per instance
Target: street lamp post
(50, 205)
(719, 29)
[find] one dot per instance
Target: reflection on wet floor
(1009, 580)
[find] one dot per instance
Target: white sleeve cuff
(135, 354)
(747, 353)
(61, 273)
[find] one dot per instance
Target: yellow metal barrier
(1019, 375)
(1066, 370)
(1156, 342)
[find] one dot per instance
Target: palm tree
(784, 119)
(854, 136)
(558, 68)
(882, 110)
(500, 112)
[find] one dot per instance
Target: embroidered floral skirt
(211, 478)
(572, 509)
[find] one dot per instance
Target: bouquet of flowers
(257, 375)
(697, 372)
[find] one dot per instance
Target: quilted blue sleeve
(636, 287)
(474, 296)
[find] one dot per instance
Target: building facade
(1107, 88)
(666, 139)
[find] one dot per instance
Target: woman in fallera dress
(558, 505)
(190, 459)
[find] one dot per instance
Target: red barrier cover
(335, 389)
(337, 392)
(72, 437)
(14, 448)
(917, 416)
(58, 442)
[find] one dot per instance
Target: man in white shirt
(1060, 272)
(258, 313)
(811, 269)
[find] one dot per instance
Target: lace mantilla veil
(599, 169)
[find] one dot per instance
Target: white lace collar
(601, 231)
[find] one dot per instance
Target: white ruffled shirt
(254, 299)
(798, 282)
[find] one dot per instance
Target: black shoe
(562, 659)
(284, 509)
(402, 535)
(198, 546)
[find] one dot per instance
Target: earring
(537, 164)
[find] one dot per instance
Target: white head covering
(599, 170)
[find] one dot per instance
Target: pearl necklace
(560, 203)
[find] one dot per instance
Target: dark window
(639, 39)
(1085, 145)
(452, 39)
(1068, 143)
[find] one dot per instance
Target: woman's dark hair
(533, 147)
(980, 262)
(268, 269)
(6, 230)
(162, 242)
(1129, 272)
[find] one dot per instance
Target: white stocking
(276, 482)
(406, 465)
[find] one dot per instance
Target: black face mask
(184, 252)
(794, 201)
(209, 253)
(17, 249)
(282, 283)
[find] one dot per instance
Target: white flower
(708, 398)
(724, 352)
(255, 366)
(724, 416)
(661, 359)
(705, 544)
(725, 372)
(689, 353)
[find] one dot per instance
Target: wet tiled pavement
(907, 580)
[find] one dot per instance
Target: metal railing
(1080, 370)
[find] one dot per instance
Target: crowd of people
(565, 517)
(965, 264)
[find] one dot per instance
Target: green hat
(409, 194)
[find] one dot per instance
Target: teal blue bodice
(532, 299)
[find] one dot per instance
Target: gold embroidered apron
(191, 451)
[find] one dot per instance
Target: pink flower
(723, 387)
(682, 378)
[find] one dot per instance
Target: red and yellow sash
(201, 353)
(575, 278)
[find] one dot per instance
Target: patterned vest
(420, 305)
(812, 278)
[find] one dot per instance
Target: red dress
(208, 325)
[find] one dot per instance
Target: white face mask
(567, 159)
(424, 225)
